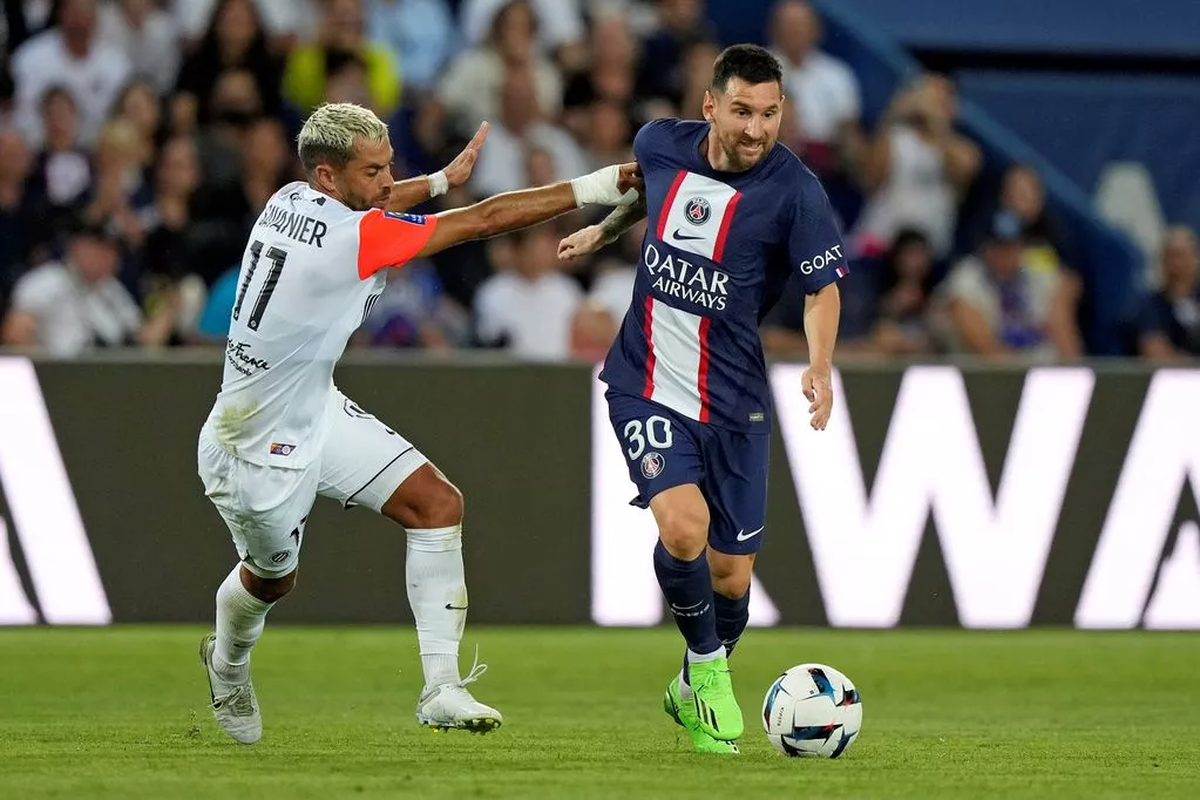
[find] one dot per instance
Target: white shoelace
(476, 671)
(240, 700)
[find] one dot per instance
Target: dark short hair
(751, 63)
(338, 60)
(79, 227)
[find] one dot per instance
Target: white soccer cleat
(452, 706)
(233, 704)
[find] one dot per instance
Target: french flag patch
(841, 272)
(415, 219)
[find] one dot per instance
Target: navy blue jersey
(719, 249)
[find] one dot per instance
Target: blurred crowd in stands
(139, 141)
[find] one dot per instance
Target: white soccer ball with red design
(812, 710)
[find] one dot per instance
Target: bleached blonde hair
(328, 134)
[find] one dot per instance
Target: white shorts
(266, 508)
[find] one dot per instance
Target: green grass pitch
(122, 713)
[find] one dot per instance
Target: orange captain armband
(391, 239)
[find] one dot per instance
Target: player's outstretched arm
(613, 185)
(408, 193)
(586, 241)
(821, 313)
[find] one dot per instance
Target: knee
(684, 531)
(269, 590)
(438, 505)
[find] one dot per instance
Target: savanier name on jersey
(677, 277)
(294, 225)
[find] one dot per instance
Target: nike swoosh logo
(743, 536)
(455, 608)
(683, 237)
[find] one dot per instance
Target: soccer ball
(812, 710)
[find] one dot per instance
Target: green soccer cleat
(717, 710)
(684, 714)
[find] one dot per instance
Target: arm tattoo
(622, 219)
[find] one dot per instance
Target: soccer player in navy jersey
(732, 215)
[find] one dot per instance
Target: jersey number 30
(660, 439)
(277, 258)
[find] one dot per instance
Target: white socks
(240, 620)
(685, 688)
(437, 592)
(700, 658)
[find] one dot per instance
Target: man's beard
(359, 203)
(741, 162)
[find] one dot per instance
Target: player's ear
(710, 105)
(323, 176)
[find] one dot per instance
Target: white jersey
(310, 275)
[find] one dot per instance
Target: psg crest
(697, 211)
(652, 465)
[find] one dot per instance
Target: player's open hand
(582, 242)
(458, 171)
(818, 390)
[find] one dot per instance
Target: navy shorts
(664, 449)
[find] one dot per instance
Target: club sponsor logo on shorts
(281, 449)
(281, 556)
(653, 464)
(697, 211)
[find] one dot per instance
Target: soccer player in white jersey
(280, 432)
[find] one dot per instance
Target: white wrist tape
(600, 188)
(439, 184)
